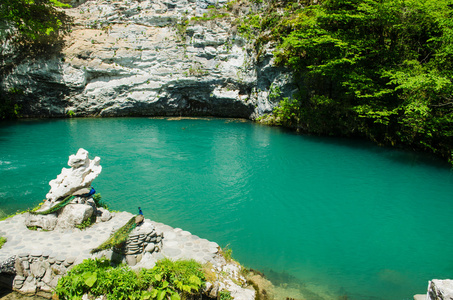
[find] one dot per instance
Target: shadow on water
(289, 287)
(402, 156)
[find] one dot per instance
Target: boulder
(46, 222)
(74, 214)
(104, 214)
(440, 289)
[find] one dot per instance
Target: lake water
(330, 217)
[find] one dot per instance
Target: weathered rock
(81, 174)
(39, 268)
(131, 260)
(29, 286)
(46, 222)
(440, 289)
(150, 248)
(74, 214)
(141, 58)
(105, 215)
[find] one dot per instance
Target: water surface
(330, 216)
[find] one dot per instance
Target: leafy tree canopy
(379, 68)
(33, 19)
(28, 28)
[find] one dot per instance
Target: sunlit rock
(80, 176)
(440, 289)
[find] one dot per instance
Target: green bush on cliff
(379, 69)
(2, 241)
(34, 20)
(167, 280)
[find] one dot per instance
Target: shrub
(97, 198)
(97, 277)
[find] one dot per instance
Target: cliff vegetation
(380, 69)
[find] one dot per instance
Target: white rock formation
(151, 58)
(80, 176)
(440, 290)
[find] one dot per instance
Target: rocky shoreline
(70, 226)
(36, 260)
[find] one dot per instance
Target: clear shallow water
(331, 216)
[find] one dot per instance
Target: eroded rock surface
(150, 58)
(80, 176)
(440, 289)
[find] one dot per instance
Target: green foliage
(9, 109)
(97, 198)
(181, 28)
(70, 113)
(87, 223)
(96, 277)
(167, 280)
(2, 241)
(118, 238)
(172, 278)
(227, 253)
(34, 19)
(380, 69)
(287, 113)
(54, 208)
(225, 295)
(212, 14)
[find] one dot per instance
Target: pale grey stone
(48, 276)
(74, 214)
(131, 260)
(105, 214)
(150, 247)
(70, 260)
(54, 281)
(172, 252)
(440, 289)
(29, 286)
(46, 222)
(147, 73)
(38, 268)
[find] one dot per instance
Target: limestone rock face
(440, 290)
(81, 174)
(150, 58)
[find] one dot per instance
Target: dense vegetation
(376, 68)
(28, 28)
(167, 280)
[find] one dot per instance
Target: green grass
(2, 241)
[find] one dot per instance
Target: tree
(28, 28)
(377, 68)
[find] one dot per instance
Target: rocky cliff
(150, 58)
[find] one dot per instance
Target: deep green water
(331, 216)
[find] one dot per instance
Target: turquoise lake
(328, 216)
